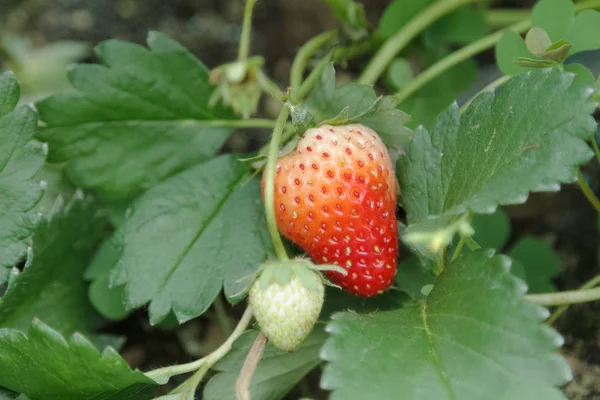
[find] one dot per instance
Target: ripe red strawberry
(335, 196)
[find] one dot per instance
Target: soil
(210, 29)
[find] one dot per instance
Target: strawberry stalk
(244, 48)
(270, 183)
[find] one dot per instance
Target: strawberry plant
(366, 245)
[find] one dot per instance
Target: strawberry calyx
(282, 272)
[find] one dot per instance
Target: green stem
(270, 87)
(585, 5)
(587, 191)
(270, 184)
(561, 310)
(162, 375)
(596, 149)
(400, 40)
(568, 297)
(244, 49)
(222, 316)
(458, 249)
(491, 86)
(356, 49)
(305, 53)
(312, 78)
(501, 18)
(455, 58)
(469, 51)
(189, 387)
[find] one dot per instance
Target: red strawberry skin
(335, 196)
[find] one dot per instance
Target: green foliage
(413, 279)
(134, 121)
(491, 230)
(557, 33)
(352, 14)
(51, 286)
(496, 153)
(188, 237)
(44, 366)
(472, 337)
(435, 97)
(534, 260)
(277, 373)
(357, 103)
(539, 261)
(20, 159)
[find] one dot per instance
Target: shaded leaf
(539, 261)
(473, 338)
(201, 230)
(57, 369)
(491, 230)
(51, 286)
(20, 159)
(413, 279)
(133, 121)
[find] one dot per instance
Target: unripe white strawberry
(287, 299)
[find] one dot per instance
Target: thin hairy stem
(270, 184)
(562, 309)
(305, 53)
(244, 49)
(587, 191)
(568, 297)
(162, 375)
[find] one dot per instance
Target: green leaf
(537, 41)
(554, 17)
(511, 46)
(6, 394)
(399, 73)
(326, 102)
(337, 300)
(499, 151)
(398, 14)
(584, 32)
(438, 94)
(188, 237)
(277, 372)
(474, 337)
(51, 286)
(107, 299)
(134, 121)
(44, 366)
(583, 76)
(540, 263)
(413, 279)
(491, 230)
(20, 159)
(352, 14)
(463, 26)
